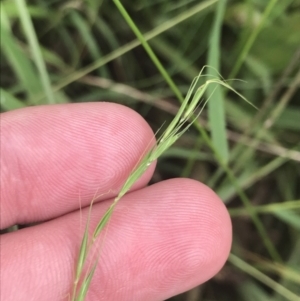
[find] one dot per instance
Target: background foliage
(81, 51)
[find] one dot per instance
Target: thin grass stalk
(149, 50)
(263, 233)
(83, 251)
(255, 218)
(20, 64)
(267, 209)
(251, 39)
(260, 227)
(216, 110)
(249, 269)
(35, 48)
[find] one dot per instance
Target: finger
(54, 158)
(162, 240)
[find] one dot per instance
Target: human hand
(162, 240)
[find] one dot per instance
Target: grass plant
(182, 121)
(78, 51)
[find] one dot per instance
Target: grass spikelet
(86, 283)
(184, 118)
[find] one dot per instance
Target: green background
(82, 51)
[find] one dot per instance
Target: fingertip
(53, 157)
(206, 221)
(175, 234)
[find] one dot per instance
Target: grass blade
(216, 110)
(35, 48)
(249, 269)
(9, 102)
(21, 66)
(86, 283)
(251, 39)
(149, 50)
(83, 252)
(88, 39)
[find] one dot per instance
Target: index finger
(54, 158)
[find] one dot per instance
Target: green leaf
(9, 102)
(35, 48)
(216, 110)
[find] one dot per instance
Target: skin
(162, 239)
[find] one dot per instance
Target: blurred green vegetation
(81, 51)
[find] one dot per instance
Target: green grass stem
(35, 48)
(261, 229)
(249, 269)
(216, 110)
(250, 41)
